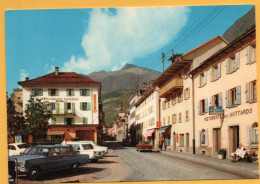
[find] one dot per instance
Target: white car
(86, 148)
(16, 148)
(104, 149)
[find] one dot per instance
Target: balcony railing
(172, 85)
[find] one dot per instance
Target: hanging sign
(95, 103)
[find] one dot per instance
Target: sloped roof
(62, 77)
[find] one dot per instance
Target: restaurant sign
(95, 103)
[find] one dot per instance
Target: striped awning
(162, 129)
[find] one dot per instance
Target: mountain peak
(127, 66)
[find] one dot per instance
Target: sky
(89, 40)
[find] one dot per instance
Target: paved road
(152, 166)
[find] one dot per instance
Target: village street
(126, 164)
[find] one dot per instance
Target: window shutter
(248, 61)
(81, 105)
(65, 121)
(33, 92)
(206, 138)
(238, 95)
(205, 77)
(73, 108)
(57, 108)
(227, 98)
(72, 92)
(227, 66)
(67, 92)
(199, 78)
(50, 107)
(88, 107)
(57, 92)
(52, 121)
(65, 108)
(199, 108)
(85, 120)
(219, 71)
(248, 136)
(199, 136)
(80, 91)
(206, 105)
(40, 93)
(72, 121)
(247, 92)
(237, 61)
(49, 92)
(211, 101)
(220, 100)
(88, 92)
(211, 74)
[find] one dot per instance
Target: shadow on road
(105, 162)
(66, 173)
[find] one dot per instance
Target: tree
(15, 120)
(36, 117)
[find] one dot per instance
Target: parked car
(16, 148)
(86, 148)
(44, 158)
(104, 149)
(144, 146)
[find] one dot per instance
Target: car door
(68, 157)
(54, 159)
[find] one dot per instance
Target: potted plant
(222, 154)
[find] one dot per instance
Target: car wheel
(34, 173)
(75, 167)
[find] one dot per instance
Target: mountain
(242, 25)
(125, 79)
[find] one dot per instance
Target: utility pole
(163, 57)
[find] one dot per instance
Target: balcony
(170, 87)
(62, 113)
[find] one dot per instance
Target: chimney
(56, 70)
(26, 78)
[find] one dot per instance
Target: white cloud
(114, 38)
(49, 69)
(23, 74)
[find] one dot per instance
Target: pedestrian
(161, 143)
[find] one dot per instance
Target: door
(54, 159)
(68, 157)
(174, 141)
(85, 134)
(217, 139)
(234, 138)
(187, 141)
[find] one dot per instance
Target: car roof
(52, 146)
(79, 142)
(17, 143)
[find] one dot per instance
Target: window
(216, 100)
(180, 118)
(53, 92)
(251, 53)
(70, 92)
(36, 92)
(174, 118)
(254, 133)
(203, 106)
(187, 93)
(85, 106)
(215, 72)
(203, 79)
(187, 115)
(84, 92)
(52, 106)
(181, 140)
(203, 136)
(233, 97)
(180, 97)
(173, 101)
(69, 121)
(69, 108)
(232, 63)
(251, 91)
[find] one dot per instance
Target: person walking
(161, 143)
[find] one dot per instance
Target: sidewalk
(242, 169)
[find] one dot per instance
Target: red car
(144, 146)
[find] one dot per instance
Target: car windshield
(87, 146)
(21, 146)
(36, 151)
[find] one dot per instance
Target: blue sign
(213, 109)
(18, 138)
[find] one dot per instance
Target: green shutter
(57, 92)
(65, 108)
(57, 108)
(72, 121)
(53, 121)
(73, 108)
(88, 92)
(49, 92)
(80, 92)
(85, 120)
(81, 106)
(50, 107)
(72, 92)
(40, 94)
(67, 92)
(88, 107)
(65, 121)
(33, 92)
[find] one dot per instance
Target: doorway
(187, 142)
(217, 139)
(174, 141)
(234, 138)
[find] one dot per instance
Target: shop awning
(149, 133)
(55, 132)
(162, 129)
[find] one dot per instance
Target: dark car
(144, 146)
(44, 158)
